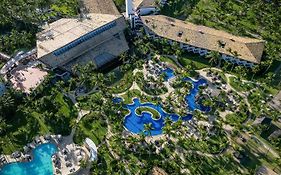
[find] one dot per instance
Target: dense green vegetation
(158, 87)
(92, 126)
(207, 149)
(21, 20)
(120, 4)
(22, 118)
(179, 8)
(122, 82)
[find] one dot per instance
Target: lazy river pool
(135, 123)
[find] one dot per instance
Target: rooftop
(248, 49)
(113, 46)
(101, 6)
(66, 30)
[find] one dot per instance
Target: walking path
(228, 86)
(174, 58)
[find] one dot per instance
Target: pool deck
(63, 144)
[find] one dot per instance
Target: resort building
(69, 41)
(200, 39)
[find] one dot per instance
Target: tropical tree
(214, 57)
(3, 126)
(148, 128)
(255, 70)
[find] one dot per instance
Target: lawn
(122, 82)
(237, 84)
(194, 60)
(92, 127)
(168, 60)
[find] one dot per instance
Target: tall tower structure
(129, 8)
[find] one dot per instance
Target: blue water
(190, 98)
(169, 73)
(41, 163)
(135, 123)
(117, 100)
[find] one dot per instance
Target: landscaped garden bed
(141, 109)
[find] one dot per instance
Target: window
(84, 38)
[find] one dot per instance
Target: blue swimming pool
(41, 163)
(135, 123)
(117, 100)
(191, 98)
(169, 73)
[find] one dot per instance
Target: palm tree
(269, 63)
(3, 126)
(123, 57)
(277, 162)
(111, 76)
(255, 70)
(167, 129)
(148, 128)
(214, 57)
(7, 104)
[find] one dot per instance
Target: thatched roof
(101, 6)
(248, 49)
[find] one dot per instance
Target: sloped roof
(144, 3)
(248, 49)
(66, 30)
(113, 46)
(101, 6)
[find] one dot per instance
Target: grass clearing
(90, 126)
(168, 60)
(123, 82)
(193, 60)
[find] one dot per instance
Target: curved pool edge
(33, 160)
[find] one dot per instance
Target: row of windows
(84, 38)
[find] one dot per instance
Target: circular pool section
(135, 123)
